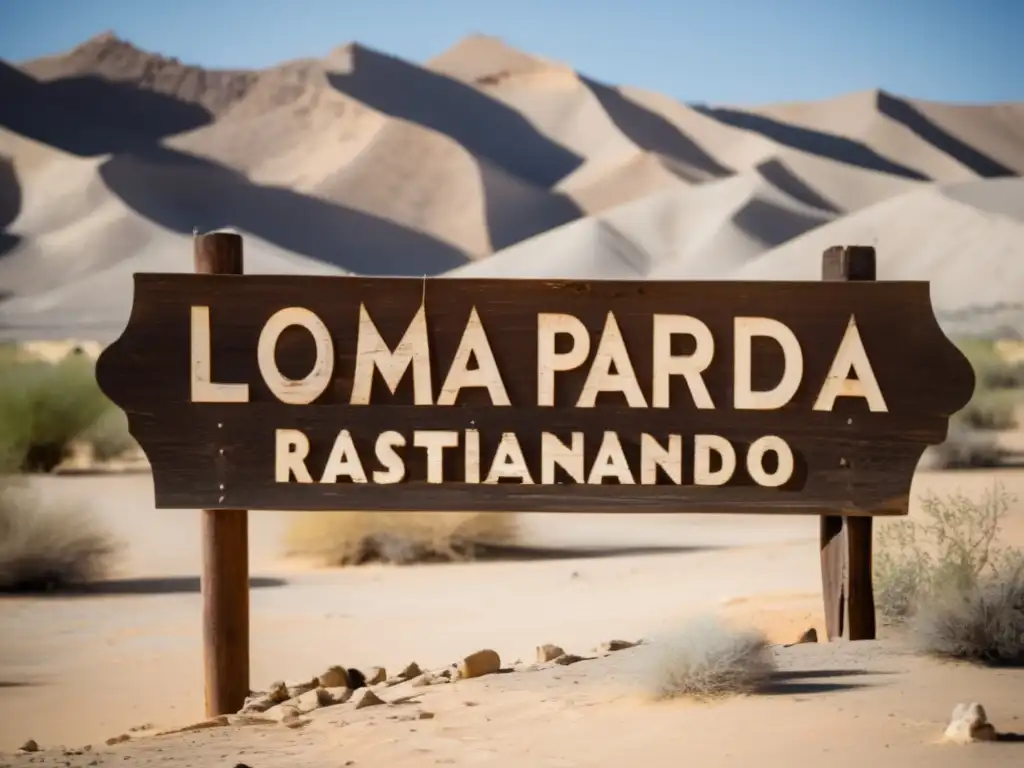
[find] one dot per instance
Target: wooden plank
(846, 547)
(189, 372)
(225, 579)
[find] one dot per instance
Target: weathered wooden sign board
(292, 392)
(322, 393)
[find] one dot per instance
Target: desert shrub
(354, 538)
(950, 550)
(108, 436)
(991, 409)
(48, 549)
(991, 368)
(708, 658)
(968, 449)
(45, 407)
(982, 622)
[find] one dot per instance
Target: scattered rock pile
(969, 724)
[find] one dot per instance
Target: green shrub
(708, 659)
(45, 407)
(951, 550)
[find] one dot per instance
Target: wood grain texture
(225, 537)
(849, 460)
(846, 542)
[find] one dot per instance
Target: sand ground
(78, 670)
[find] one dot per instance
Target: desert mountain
(485, 160)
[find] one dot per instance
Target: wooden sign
(289, 392)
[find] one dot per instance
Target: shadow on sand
(797, 682)
(167, 585)
(516, 553)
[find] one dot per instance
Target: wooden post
(846, 541)
(225, 580)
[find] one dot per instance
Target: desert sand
(485, 160)
(91, 667)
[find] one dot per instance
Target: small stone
(294, 691)
(614, 645)
(356, 679)
(375, 675)
(411, 671)
(485, 662)
(336, 695)
(969, 724)
(261, 702)
(118, 739)
(810, 636)
(334, 677)
(548, 652)
(421, 681)
(568, 658)
(365, 697)
(29, 746)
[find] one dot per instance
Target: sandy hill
(485, 160)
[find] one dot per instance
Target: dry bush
(983, 622)
(949, 551)
(707, 659)
(48, 549)
(354, 538)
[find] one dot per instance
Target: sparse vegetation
(960, 590)
(354, 538)
(45, 407)
(710, 659)
(48, 549)
(995, 407)
(983, 622)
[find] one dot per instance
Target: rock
(810, 636)
(334, 677)
(568, 658)
(375, 675)
(365, 697)
(411, 671)
(29, 746)
(333, 696)
(969, 724)
(261, 702)
(294, 691)
(614, 645)
(548, 652)
(118, 739)
(485, 662)
(356, 679)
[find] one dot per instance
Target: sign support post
(846, 541)
(225, 579)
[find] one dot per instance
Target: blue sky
(724, 51)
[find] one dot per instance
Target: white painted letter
(344, 460)
(204, 390)
(509, 461)
(296, 391)
(394, 466)
(653, 455)
(703, 446)
(553, 452)
(291, 447)
(755, 461)
(689, 366)
(744, 397)
(610, 462)
(850, 355)
(472, 456)
(611, 350)
(435, 441)
(473, 344)
(550, 362)
(372, 353)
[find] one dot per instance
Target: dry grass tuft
(982, 623)
(355, 538)
(710, 659)
(43, 550)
